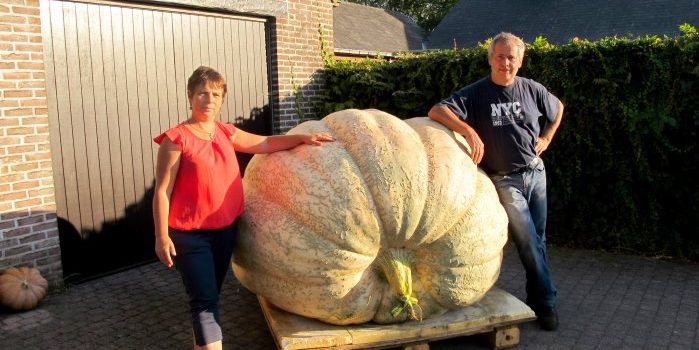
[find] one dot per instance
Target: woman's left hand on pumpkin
(317, 139)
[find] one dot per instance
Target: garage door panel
(64, 32)
(124, 179)
(76, 125)
(237, 68)
(176, 90)
(102, 184)
(142, 147)
(258, 68)
(228, 66)
(48, 26)
(152, 105)
(133, 179)
(85, 129)
(112, 169)
(174, 100)
(220, 46)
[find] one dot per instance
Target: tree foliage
(427, 14)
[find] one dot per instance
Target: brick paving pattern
(606, 301)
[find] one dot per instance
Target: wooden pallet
(497, 315)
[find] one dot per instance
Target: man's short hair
(505, 37)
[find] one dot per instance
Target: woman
(199, 194)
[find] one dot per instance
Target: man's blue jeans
(203, 259)
(524, 198)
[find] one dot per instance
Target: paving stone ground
(606, 301)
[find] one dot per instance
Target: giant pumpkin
(392, 221)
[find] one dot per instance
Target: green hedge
(621, 168)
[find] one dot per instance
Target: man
(499, 118)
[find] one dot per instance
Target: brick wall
(28, 228)
(296, 58)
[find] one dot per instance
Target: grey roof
(473, 21)
(365, 28)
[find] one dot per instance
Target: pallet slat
(497, 313)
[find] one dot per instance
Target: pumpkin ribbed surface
(392, 221)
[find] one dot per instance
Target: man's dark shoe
(547, 318)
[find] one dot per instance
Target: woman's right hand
(165, 250)
(167, 166)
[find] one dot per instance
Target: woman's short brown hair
(204, 75)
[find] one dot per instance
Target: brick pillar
(28, 228)
(297, 62)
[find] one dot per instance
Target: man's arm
(443, 115)
(544, 140)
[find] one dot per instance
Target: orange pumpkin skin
(22, 288)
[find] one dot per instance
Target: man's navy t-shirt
(506, 119)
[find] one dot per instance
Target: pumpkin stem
(395, 265)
